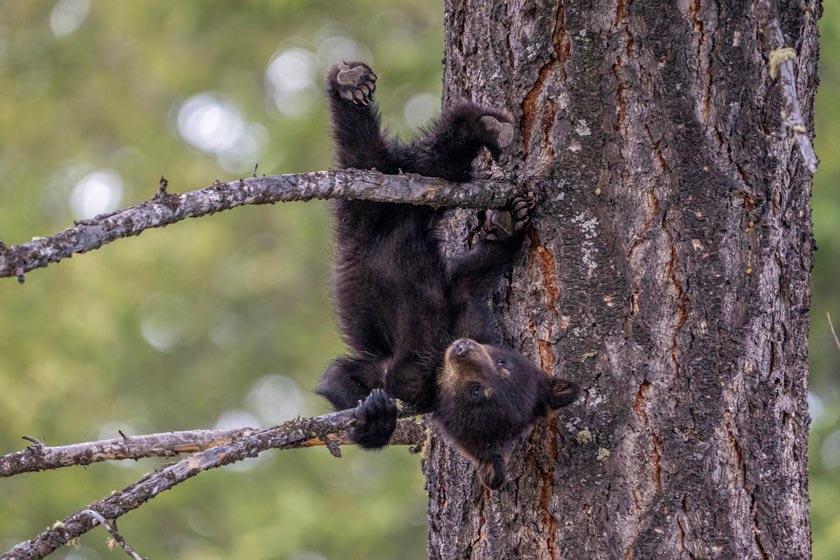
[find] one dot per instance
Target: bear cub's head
(488, 396)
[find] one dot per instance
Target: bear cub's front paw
(502, 224)
(354, 82)
(376, 419)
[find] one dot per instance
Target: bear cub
(418, 324)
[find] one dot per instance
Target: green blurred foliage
(214, 321)
(182, 327)
(824, 353)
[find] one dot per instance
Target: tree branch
(164, 208)
(289, 434)
(40, 457)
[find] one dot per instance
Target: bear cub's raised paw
(376, 419)
(504, 223)
(354, 82)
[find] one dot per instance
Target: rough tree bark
(668, 272)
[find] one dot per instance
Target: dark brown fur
(417, 324)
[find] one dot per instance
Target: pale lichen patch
(589, 229)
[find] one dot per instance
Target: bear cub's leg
(475, 274)
(355, 118)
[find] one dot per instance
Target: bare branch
(164, 208)
(116, 537)
(133, 496)
(783, 65)
(40, 457)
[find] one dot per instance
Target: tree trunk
(667, 271)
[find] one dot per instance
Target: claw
(503, 221)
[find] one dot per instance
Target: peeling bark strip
(165, 209)
(289, 434)
(784, 67)
(168, 444)
(668, 273)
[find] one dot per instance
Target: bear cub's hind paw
(376, 419)
(502, 224)
(354, 82)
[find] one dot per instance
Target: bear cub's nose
(463, 347)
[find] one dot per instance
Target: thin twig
(40, 457)
(131, 497)
(34, 441)
(165, 208)
(111, 527)
(831, 326)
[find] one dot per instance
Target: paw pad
(355, 82)
(502, 129)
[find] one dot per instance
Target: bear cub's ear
(558, 393)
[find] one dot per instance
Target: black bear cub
(417, 323)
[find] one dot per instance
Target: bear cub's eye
(500, 362)
(476, 392)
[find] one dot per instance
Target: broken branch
(116, 538)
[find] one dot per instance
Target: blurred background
(225, 322)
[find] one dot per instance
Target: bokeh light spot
(289, 78)
(68, 15)
(336, 49)
(96, 193)
(162, 322)
(276, 398)
(420, 109)
(815, 406)
(235, 419)
(216, 126)
(291, 70)
(830, 450)
(208, 123)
